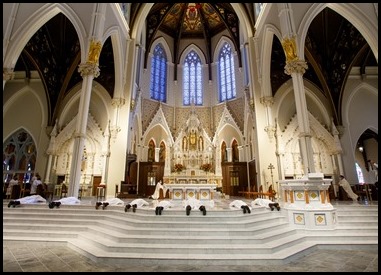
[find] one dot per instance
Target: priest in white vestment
(266, 203)
(137, 203)
(27, 200)
(240, 204)
(111, 201)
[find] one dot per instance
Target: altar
(184, 191)
(306, 200)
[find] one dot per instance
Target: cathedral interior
(194, 126)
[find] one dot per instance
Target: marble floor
(57, 257)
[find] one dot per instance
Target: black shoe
(51, 205)
(157, 210)
(248, 209)
(161, 210)
(202, 208)
(16, 203)
(128, 206)
(278, 208)
(134, 208)
(272, 208)
(105, 205)
(10, 203)
(188, 209)
(97, 204)
(57, 204)
(244, 209)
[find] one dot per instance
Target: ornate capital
(114, 130)
(252, 105)
(297, 66)
(117, 102)
(304, 135)
(88, 69)
(270, 131)
(79, 135)
(268, 101)
(132, 104)
(8, 74)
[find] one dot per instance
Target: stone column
(106, 154)
(88, 71)
(296, 68)
(50, 152)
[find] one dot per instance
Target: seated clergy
(156, 194)
(240, 204)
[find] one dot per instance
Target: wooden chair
(63, 191)
(40, 190)
(360, 191)
(16, 190)
(49, 192)
(25, 190)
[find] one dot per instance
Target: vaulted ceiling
(333, 46)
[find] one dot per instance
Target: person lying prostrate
(240, 204)
(266, 203)
(111, 201)
(64, 201)
(27, 200)
(137, 203)
(193, 203)
(161, 206)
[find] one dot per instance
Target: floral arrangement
(179, 167)
(206, 167)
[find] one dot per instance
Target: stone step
(112, 226)
(362, 217)
(124, 259)
(246, 221)
(174, 238)
(358, 223)
(191, 248)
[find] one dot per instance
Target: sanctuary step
(223, 236)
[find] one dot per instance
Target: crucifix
(271, 167)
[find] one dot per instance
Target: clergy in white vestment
(159, 186)
(111, 201)
(69, 200)
(240, 204)
(27, 200)
(136, 203)
(164, 204)
(193, 203)
(266, 203)
(64, 201)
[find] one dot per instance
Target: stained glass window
(158, 85)
(19, 156)
(192, 84)
(226, 74)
